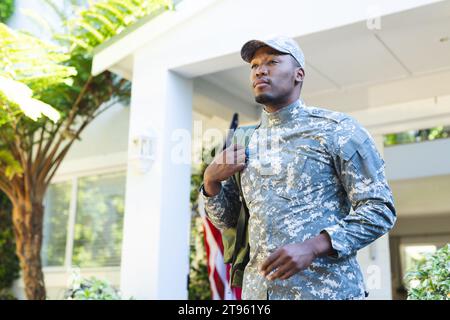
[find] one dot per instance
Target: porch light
(143, 148)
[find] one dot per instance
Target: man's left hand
(295, 257)
(289, 260)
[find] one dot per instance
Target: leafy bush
(91, 289)
(431, 278)
(9, 263)
(6, 9)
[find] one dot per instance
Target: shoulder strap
(244, 136)
(241, 251)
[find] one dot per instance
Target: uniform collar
(282, 116)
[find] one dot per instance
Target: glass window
(99, 221)
(97, 229)
(57, 205)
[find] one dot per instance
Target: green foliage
(6, 9)
(12, 166)
(416, 136)
(91, 289)
(7, 295)
(28, 66)
(9, 263)
(90, 27)
(32, 61)
(104, 19)
(431, 278)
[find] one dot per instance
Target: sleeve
(223, 208)
(360, 168)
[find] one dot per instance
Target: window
(57, 204)
(99, 221)
(83, 222)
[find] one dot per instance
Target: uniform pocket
(362, 157)
(290, 181)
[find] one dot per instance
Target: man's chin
(264, 98)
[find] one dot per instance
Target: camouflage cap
(280, 43)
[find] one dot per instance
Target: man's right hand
(224, 165)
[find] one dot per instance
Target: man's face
(274, 76)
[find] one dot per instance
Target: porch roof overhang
(117, 52)
(350, 66)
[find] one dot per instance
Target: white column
(155, 248)
(375, 259)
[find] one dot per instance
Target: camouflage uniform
(309, 170)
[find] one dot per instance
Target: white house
(387, 63)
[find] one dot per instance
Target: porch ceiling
(349, 68)
(422, 197)
(352, 68)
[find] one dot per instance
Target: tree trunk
(28, 222)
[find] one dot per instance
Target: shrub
(91, 289)
(430, 280)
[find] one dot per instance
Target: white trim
(82, 269)
(91, 165)
(414, 115)
(421, 239)
(161, 24)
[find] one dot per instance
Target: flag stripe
(218, 271)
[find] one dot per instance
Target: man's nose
(261, 70)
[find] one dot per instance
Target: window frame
(73, 177)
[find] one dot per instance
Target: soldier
(313, 182)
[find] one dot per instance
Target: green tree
(54, 81)
(6, 9)
(36, 65)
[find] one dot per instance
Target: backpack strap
(241, 251)
(242, 136)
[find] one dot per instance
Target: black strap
(242, 224)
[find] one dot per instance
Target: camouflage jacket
(309, 170)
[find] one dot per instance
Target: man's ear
(299, 75)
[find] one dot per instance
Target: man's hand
(224, 165)
(292, 258)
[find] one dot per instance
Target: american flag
(218, 271)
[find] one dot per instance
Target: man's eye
(253, 66)
(273, 61)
